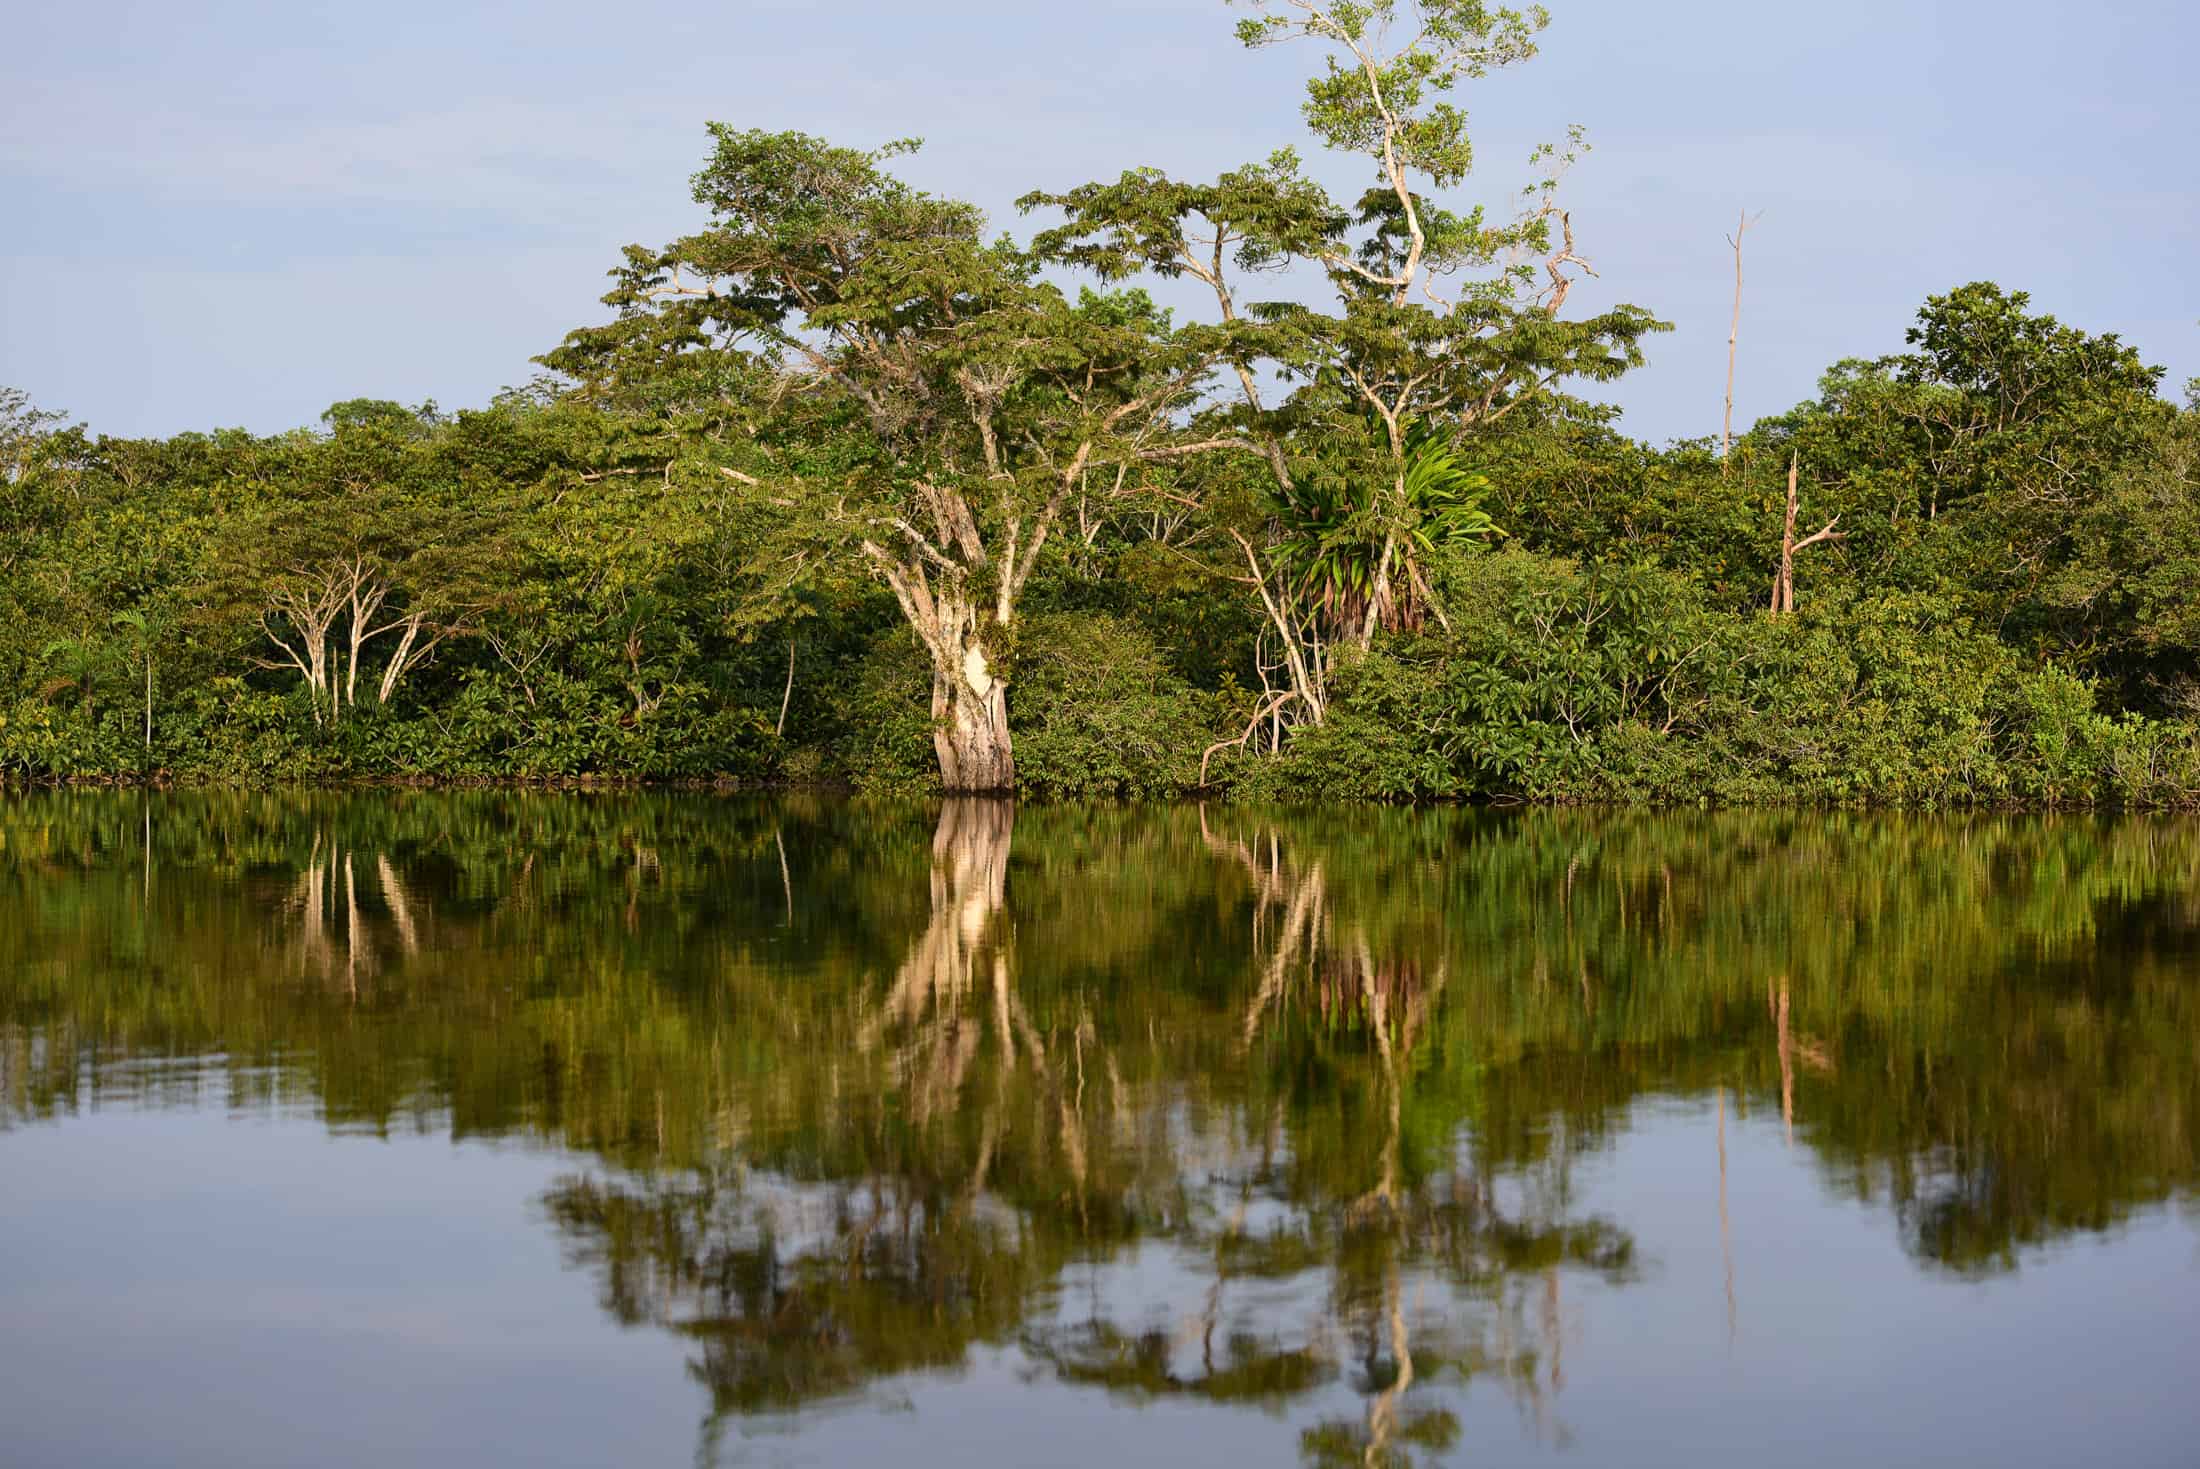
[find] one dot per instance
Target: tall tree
(1968, 465)
(906, 391)
(1437, 319)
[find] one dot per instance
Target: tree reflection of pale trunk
(1071, 1107)
(986, 1143)
(1421, 1004)
(351, 929)
(1301, 896)
(311, 888)
(646, 863)
(786, 880)
(1382, 1413)
(1305, 930)
(1119, 1102)
(393, 893)
(1001, 1026)
(1554, 1328)
(1378, 1019)
(1794, 1047)
(1302, 926)
(1211, 1314)
(969, 878)
(1787, 1063)
(969, 884)
(970, 851)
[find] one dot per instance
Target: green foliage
(843, 482)
(1965, 465)
(592, 617)
(1621, 685)
(1334, 526)
(1359, 99)
(1099, 712)
(884, 714)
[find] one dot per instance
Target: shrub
(1096, 710)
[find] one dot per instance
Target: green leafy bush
(1099, 712)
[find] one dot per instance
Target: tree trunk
(970, 728)
(786, 696)
(1733, 336)
(1783, 580)
(1379, 597)
(969, 699)
(399, 661)
(320, 678)
(969, 702)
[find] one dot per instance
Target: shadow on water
(1220, 1106)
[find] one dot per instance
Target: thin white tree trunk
(396, 669)
(322, 680)
(1733, 337)
(786, 695)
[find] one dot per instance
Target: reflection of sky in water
(202, 1287)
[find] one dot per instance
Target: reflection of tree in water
(933, 1222)
(796, 1295)
(1324, 1063)
(925, 1015)
(1004, 1149)
(1436, 1229)
(334, 937)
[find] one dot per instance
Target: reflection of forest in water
(1296, 1101)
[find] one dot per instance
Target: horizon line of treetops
(845, 492)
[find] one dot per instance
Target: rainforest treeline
(851, 489)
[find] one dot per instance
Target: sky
(229, 214)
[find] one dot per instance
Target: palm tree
(136, 622)
(76, 664)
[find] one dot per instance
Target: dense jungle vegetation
(851, 490)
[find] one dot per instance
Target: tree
(136, 622)
(2133, 577)
(39, 451)
(1332, 531)
(1437, 319)
(1733, 339)
(340, 543)
(909, 393)
(1966, 465)
(75, 666)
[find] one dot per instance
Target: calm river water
(394, 1128)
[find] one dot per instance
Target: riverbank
(1264, 794)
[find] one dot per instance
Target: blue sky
(232, 213)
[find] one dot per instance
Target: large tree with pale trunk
(902, 390)
(896, 387)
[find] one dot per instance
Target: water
(408, 1128)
